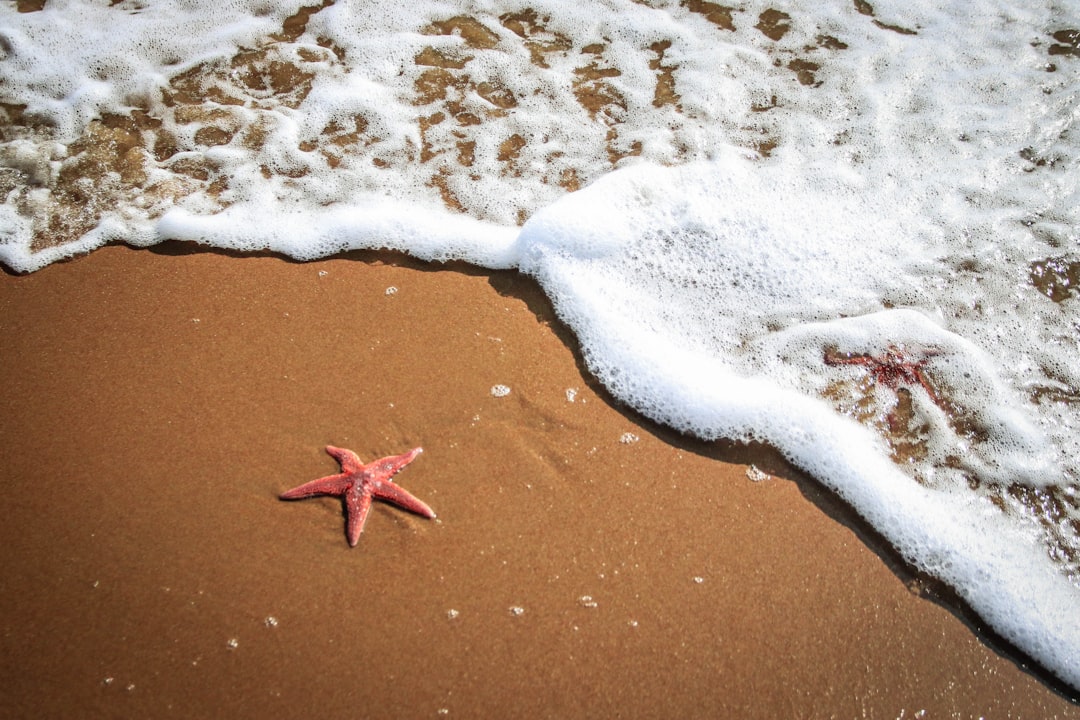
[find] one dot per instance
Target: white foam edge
(17, 254)
(425, 233)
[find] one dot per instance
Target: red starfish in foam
(359, 484)
(892, 368)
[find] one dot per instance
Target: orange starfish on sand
(359, 484)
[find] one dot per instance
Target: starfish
(359, 484)
(892, 368)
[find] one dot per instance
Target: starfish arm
(349, 461)
(357, 506)
(841, 360)
(925, 382)
(402, 498)
(385, 468)
(835, 357)
(330, 485)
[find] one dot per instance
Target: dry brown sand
(156, 402)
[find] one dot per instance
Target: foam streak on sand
(759, 192)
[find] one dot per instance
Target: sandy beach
(584, 562)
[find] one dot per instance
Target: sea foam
(845, 229)
(729, 342)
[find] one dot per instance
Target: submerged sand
(584, 562)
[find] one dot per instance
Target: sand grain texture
(156, 402)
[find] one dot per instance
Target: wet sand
(157, 401)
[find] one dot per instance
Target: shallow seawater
(849, 231)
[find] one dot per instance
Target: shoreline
(159, 399)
